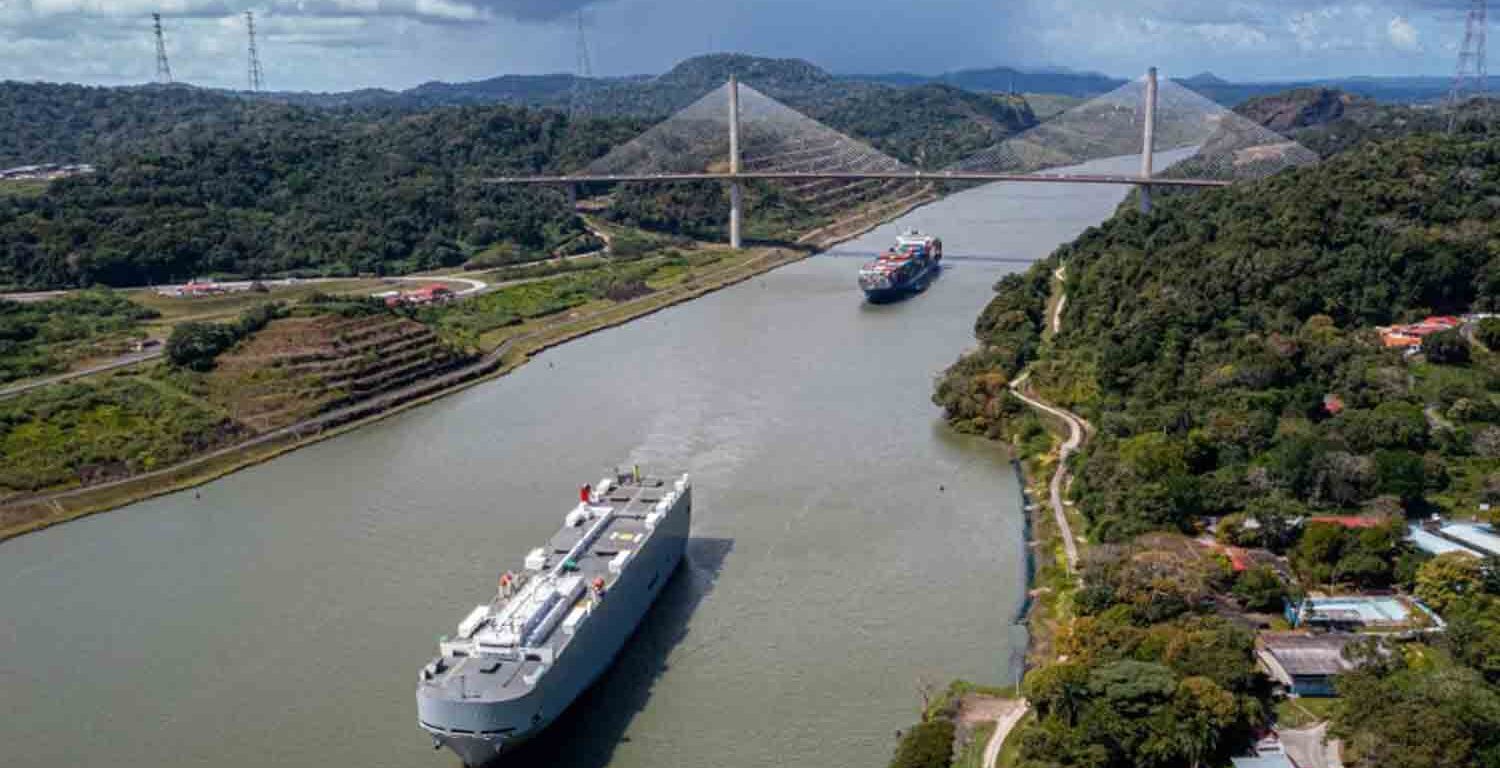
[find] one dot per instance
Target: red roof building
(1350, 521)
(427, 294)
(1411, 336)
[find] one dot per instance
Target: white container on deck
(470, 624)
(536, 560)
(617, 565)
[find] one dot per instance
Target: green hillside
(1224, 348)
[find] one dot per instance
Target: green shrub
(926, 745)
(1446, 348)
(195, 346)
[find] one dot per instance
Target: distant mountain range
(788, 79)
(1006, 79)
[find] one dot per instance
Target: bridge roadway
(1044, 178)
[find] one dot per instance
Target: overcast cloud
(343, 44)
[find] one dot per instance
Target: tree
(1448, 578)
(1488, 332)
(1487, 443)
(1402, 717)
(1200, 711)
(1260, 589)
(1402, 474)
(195, 345)
(1057, 690)
(927, 745)
(1320, 548)
(1446, 348)
(1473, 635)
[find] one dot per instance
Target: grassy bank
(508, 348)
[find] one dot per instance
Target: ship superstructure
(516, 662)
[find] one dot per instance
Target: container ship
(905, 269)
(517, 662)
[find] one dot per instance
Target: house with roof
(434, 293)
(1302, 663)
(1438, 537)
(1272, 760)
(1410, 336)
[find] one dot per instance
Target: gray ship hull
(482, 729)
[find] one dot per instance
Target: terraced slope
(301, 366)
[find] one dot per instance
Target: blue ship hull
(914, 284)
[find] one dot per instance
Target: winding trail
(474, 288)
(1076, 432)
(124, 361)
(1003, 726)
(1062, 301)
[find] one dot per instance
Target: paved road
(1062, 301)
(1003, 726)
(486, 365)
(124, 361)
(1310, 748)
(1075, 439)
(232, 285)
(475, 287)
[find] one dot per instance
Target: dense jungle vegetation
(293, 191)
(1225, 349)
(192, 182)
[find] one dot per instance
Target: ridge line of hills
(651, 95)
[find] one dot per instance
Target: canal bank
(27, 514)
(848, 549)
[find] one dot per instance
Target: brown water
(849, 547)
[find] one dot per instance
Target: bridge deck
(1045, 178)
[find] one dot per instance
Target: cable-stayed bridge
(737, 134)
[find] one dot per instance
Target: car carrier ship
(516, 662)
(905, 269)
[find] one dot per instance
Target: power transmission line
(584, 69)
(163, 69)
(1473, 69)
(256, 81)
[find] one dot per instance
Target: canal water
(848, 548)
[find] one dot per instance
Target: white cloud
(1403, 35)
(326, 44)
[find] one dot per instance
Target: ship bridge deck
(503, 648)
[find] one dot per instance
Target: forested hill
(930, 125)
(286, 189)
(200, 183)
(1224, 347)
(58, 123)
(1329, 121)
(1220, 316)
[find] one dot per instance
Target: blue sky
(344, 44)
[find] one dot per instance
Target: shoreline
(38, 512)
(63, 506)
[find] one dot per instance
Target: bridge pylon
(1148, 146)
(735, 211)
